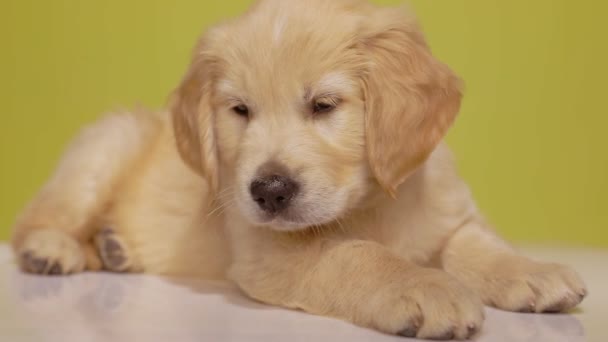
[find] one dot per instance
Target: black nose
(273, 193)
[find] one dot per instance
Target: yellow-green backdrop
(531, 139)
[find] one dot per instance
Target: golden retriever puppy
(301, 158)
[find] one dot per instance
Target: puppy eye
(241, 110)
(321, 107)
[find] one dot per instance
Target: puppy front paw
(520, 284)
(429, 305)
(113, 252)
(50, 252)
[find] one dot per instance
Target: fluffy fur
(383, 232)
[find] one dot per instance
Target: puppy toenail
(56, 269)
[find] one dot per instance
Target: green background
(531, 139)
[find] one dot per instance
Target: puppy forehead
(289, 31)
(288, 48)
(332, 83)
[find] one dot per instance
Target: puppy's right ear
(192, 114)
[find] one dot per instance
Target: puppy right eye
(241, 110)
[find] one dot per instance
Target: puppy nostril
(280, 199)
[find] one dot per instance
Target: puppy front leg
(361, 282)
(52, 235)
(506, 280)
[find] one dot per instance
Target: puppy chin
(283, 225)
(290, 221)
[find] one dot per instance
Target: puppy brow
(229, 94)
(308, 94)
(226, 87)
(329, 86)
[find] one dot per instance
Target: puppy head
(299, 109)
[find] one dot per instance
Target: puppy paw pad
(112, 251)
(408, 332)
(472, 329)
(51, 252)
(32, 263)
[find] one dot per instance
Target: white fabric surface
(106, 307)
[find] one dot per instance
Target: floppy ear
(192, 115)
(411, 98)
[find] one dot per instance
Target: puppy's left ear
(411, 98)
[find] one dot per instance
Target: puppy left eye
(321, 107)
(241, 110)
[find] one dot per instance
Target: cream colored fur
(383, 233)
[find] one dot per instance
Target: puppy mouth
(293, 219)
